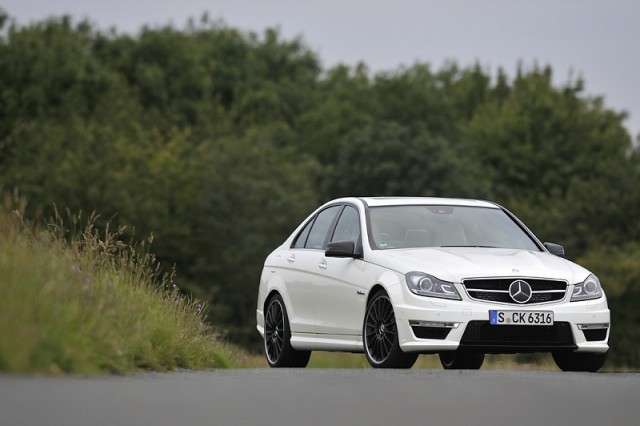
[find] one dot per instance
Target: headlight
(587, 290)
(426, 285)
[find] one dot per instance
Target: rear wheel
(579, 361)
(277, 337)
(461, 360)
(380, 336)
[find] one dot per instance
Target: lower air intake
(482, 336)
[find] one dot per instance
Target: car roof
(426, 201)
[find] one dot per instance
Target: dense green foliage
(220, 142)
(85, 302)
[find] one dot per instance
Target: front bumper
(431, 325)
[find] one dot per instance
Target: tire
(461, 360)
(277, 337)
(380, 335)
(579, 361)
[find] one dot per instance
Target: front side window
(348, 226)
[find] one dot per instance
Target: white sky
(598, 40)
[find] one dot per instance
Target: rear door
(303, 271)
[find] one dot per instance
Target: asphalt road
(323, 397)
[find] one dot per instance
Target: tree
(389, 159)
(539, 145)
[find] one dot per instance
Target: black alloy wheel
(277, 337)
(461, 360)
(380, 335)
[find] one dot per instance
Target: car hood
(454, 264)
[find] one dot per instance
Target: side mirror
(342, 249)
(556, 249)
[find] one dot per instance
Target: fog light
(592, 326)
(434, 324)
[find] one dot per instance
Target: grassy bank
(90, 304)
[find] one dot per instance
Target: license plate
(520, 317)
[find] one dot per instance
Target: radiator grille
(497, 290)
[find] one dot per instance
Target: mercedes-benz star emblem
(520, 291)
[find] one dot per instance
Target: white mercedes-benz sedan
(398, 277)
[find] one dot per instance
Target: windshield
(445, 226)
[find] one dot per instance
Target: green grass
(88, 303)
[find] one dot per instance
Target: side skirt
(327, 342)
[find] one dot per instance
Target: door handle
(322, 264)
(291, 258)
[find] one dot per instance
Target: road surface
(323, 397)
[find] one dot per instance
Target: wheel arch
(269, 287)
(374, 290)
(270, 295)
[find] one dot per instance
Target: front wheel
(380, 336)
(579, 361)
(461, 360)
(277, 337)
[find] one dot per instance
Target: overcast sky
(598, 40)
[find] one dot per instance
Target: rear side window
(318, 233)
(301, 239)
